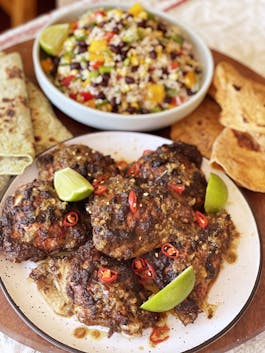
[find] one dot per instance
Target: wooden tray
(253, 320)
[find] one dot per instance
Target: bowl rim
(195, 39)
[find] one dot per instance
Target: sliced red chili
(100, 12)
(100, 189)
(107, 275)
(134, 169)
(71, 219)
(132, 199)
(170, 250)
(159, 334)
(98, 181)
(201, 219)
(179, 188)
(143, 268)
(67, 80)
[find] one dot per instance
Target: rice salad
(125, 62)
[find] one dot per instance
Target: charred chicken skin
(176, 165)
(35, 223)
(86, 161)
(98, 289)
(132, 217)
(205, 250)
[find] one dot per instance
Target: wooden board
(250, 324)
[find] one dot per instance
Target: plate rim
(70, 349)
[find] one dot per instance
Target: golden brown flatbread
(200, 128)
(242, 156)
(242, 100)
(16, 131)
(48, 130)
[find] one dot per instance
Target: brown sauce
(82, 332)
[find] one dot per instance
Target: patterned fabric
(235, 28)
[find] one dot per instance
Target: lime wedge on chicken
(172, 294)
(216, 194)
(71, 186)
(51, 38)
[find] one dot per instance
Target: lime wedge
(216, 194)
(173, 293)
(51, 38)
(71, 186)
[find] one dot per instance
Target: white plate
(231, 293)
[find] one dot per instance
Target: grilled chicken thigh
(132, 217)
(176, 165)
(97, 288)
(86, 161)
(205, 250)
(35, 223)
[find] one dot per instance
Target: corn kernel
(135, 105)
(97, 45)
(136, 9)
(47, 65)
(96, 57)
(155, 93)
(190, 79)
(134, 61)
(91, 103)
(143, 15)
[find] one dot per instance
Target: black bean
(114, 105)
(129, 79)
(131, 109)
(115, 30)
(161, 27)
(134, 68)
(115, 48)
(153, 54)
(75, 65)
(81, 47)
(165, 70)
(105, 79)
(142, 24)
(145, 111)
(174, 55)
(190, 92)
(101, 95)
(123, 55)
(167, 99)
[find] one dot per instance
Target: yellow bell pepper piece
(190, 79)
(155, 93)
(96, 57)
(98, 45)
(136, 9)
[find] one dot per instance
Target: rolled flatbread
(48, 130)
(16, 131)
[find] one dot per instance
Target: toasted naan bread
(200, 128)
(242, 100)
(242, 156)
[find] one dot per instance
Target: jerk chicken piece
(205, 250)
(176, 165)
(35, 223)
(132, 217)
(98, 289)
(86, 161)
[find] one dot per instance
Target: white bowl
(113, 121)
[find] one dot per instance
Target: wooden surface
(252, 321)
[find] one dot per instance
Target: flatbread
(4, 179)
(242, 100)
(16, 131)
(242, 156)
(200, 128)
(48, 130)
